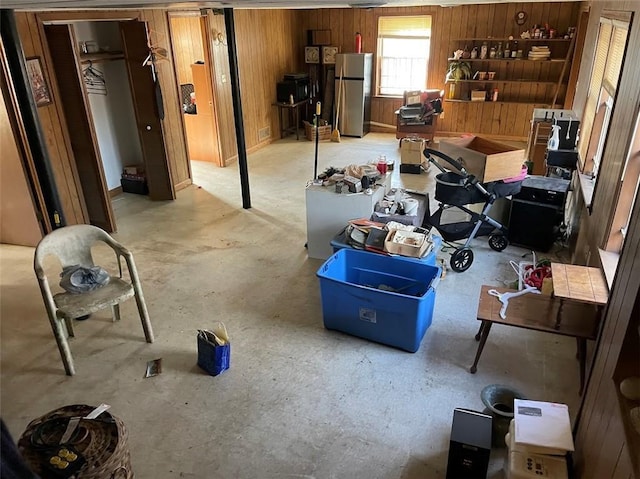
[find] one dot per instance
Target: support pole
(237, 106)
(316, 121)
(29, 113)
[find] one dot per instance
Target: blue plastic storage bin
(340, 241)
(354, 303)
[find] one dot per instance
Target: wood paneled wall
(53, 124)
(601, 444)
(186, 35)
(448, 24)
(620, 127)
(602, 448)
(269, 45)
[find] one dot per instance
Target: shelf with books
(474, 60)
(497, 80)
(520, 72)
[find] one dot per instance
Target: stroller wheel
(498, 242)
(461, 260)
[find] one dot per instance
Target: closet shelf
(101, 57)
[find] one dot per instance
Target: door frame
(70, 17)
(91, 167)
(207, 38)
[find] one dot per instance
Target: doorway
(112, 106)
(191, 53)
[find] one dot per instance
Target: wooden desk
(291, 108)
(538, 313)
(578, 283)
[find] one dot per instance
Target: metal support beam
(237, 106)
(29, 113)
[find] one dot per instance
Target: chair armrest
(39, 272)
(121, 251)
(117, 247)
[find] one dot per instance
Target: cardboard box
(407, 243)
(478, 95)
(487, 160)
(133, 170)
(411, 151)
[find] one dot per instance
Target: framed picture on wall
(39, 86)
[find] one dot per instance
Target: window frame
(379, 56)
(591, 129)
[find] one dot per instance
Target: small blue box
(386, 299)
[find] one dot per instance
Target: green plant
(458, 70)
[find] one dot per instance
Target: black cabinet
(537, 212)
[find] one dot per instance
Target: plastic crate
(352, 301)
(339, 242)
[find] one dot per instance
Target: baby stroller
(460, 189)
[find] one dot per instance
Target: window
(628, 194)
(403, 54)
(605, 72)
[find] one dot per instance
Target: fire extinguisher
(358, 42)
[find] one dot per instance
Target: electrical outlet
(223, 78)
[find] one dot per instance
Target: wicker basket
(102, 442)
(323, 130)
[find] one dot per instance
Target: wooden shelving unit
(502, 81)
(536, 105)
(504, 60)
(504, 39)
(518, 79)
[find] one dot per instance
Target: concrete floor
(299, 400)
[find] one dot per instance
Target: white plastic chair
(72, 246)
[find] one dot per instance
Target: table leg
(297, 115)
(582, 357)
(479, 331)
(559, 314)
(281, 124)
(485, 327)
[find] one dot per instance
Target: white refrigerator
(355, 108)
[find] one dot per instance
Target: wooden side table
(538, 313)
(293, 109)
(425, 129)
(578, 283)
